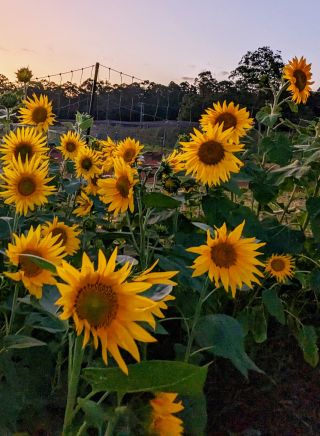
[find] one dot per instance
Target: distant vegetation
(249, 85)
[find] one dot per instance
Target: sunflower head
(298, 73)
(37, 112)
(24, 142)
(67, 236)
(24, 75)
(92, 186)
(229, 116)
(84, 205)
(129, 150)
(88, 164)
(174, 162)
(171, 184)
(163, 419)
(209, 155)
(118, 190)
(31, 274)
(26, 184)
(70, 145)
(105, 304)
(280, 267)
(228, 258)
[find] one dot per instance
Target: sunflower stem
(142, 233)
(13, 308)
(197, 314)
(74, 374)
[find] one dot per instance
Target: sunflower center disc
(229, 120)
(26, 186)
(211, 152)
(30, 268)
(70, 146)
(39, 115)
(128, 155)
(123, 186)
(86, 163)
(98, 304)
(301, 79)
(23, 150)
(277, 265)
(223, 255)
(62, 235)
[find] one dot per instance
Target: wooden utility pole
(93, 92)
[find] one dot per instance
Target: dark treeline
(249, 85)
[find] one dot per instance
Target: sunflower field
(122, 283)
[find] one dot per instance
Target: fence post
(93, 92)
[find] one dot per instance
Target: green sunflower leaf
(151, 376)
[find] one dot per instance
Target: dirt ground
(284, 402)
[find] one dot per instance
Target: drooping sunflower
(38, 112)
(92, 186)
(280, 266)
(87, 162)
(209, 155)
(107, 153)
(70, 144)
(128, 149)
(229, 116)
(174, 161)
(298, 72)
(104, 304)
(26, 184)
(31, 274)
(228, 258)
(118, 191)
(24, 142)
(84, 205)
(163, 421)
(67, 235)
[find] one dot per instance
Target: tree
(258, 69)
(206, 84)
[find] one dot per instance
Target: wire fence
(118, 101)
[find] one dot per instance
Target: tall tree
(258, 69)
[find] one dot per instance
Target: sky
(156, 40)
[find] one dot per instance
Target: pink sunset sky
(156, 40)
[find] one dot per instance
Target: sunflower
(156, 277)
(87, 163)
(92, 186)
(105, 304)
(84, 205)
(26, 184)
(128, 149)
(209, 155)
(38, 112)
(118, 191)
(67, 235)
(31, 274)
(25, 142)
(70, 144)
(174, 161)
(24, 75)
(107, 153)
(229, 116)
(228, 258)
(163, 421)
(280, 266)
(298, 73)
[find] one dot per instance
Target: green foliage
(307, 339)
(273, 304)
(223, 336)
(151, 376)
